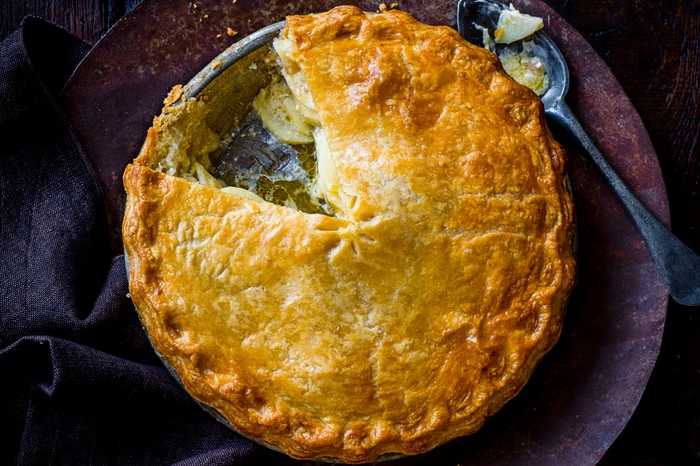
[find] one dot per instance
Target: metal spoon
(678, 264)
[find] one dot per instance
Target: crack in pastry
(413, 314)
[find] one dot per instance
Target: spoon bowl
(477, 17)
(678, 264)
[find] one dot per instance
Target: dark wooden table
(653, 48)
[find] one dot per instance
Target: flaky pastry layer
(415, 316)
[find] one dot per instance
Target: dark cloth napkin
(79, 381)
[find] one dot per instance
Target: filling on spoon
(511, 41)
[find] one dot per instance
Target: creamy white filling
(513, 26)
(279, 113)
(240, 192)
(327, 181)
(296, 80)
(328, 184)
(527, 70)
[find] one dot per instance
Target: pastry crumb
(383, 8)
(175, 94)
(231, 32)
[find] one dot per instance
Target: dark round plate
(587, 387)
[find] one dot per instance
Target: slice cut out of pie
(412, 311)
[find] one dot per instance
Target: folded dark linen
(80, 382)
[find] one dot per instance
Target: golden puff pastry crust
(415, 313)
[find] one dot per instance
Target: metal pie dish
(228, 85)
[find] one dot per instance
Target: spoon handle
(678, 264)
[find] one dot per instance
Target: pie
(413, 310)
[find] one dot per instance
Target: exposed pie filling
(414, 306)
